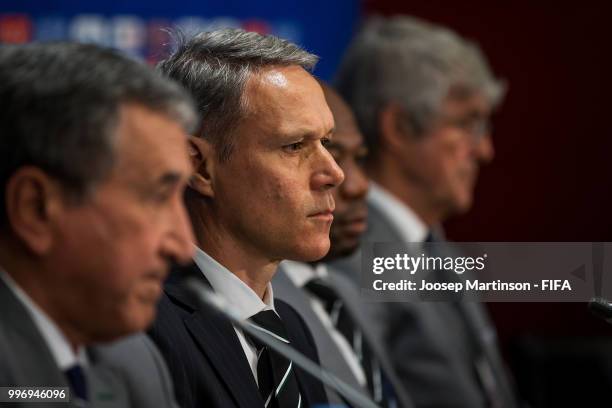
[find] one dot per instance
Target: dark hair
(59, 109)
(215, 66)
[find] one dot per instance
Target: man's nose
(327, 172)
(484, 150)
(178, 243)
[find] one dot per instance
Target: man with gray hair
(423, 97)
(260, 193)
(88, 223)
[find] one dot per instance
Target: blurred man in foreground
(328, 301)
(261, 193)
(423, 97)
(93, 162)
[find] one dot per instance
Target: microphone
(208, 298)
(601, 308)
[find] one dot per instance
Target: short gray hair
(215, 67)
(60, 105)
(414, 63)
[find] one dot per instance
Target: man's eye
(294, 147)
(361, 159)
(326, 141)
(161, 197)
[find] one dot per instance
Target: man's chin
(458, 203)
(463, 205)
(341, 250)
(311, 253)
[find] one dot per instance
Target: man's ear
(394, 130)
(33, 202)
(201, 154)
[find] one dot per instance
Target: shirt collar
(60, 348)
(236, 292)
(301, 273)
(407, 223)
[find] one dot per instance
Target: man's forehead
(467, 100)
(475, 104)
(347, 134)
(150, 143)
(279, 82)
(345, 122)
(348, 140)
(289, 99)
(275, 78)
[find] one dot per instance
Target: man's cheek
(284, 191)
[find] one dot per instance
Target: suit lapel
(33, 359)
(217, 339)
(478, 322)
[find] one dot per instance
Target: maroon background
(550, 180)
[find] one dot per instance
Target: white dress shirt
(63, 353)
(405, 220)
(239, 295)
(300, 274)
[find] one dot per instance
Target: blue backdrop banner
(137, 27)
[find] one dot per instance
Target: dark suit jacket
(126, 373)
(205, 357)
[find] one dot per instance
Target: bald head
(349, 151)
(343, 115)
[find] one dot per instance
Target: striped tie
(276, 377)
(379, 387)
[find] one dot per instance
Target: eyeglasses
(477, 127)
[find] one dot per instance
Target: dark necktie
(275, 374)
(77, 381)
(378, 385)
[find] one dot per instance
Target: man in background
(423, 97)
(93, 162)
(261, 193)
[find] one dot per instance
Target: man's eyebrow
(308, 134)
(329, 134)
(363, 151)
(475, 114)
(169, 179)
(333, 144)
